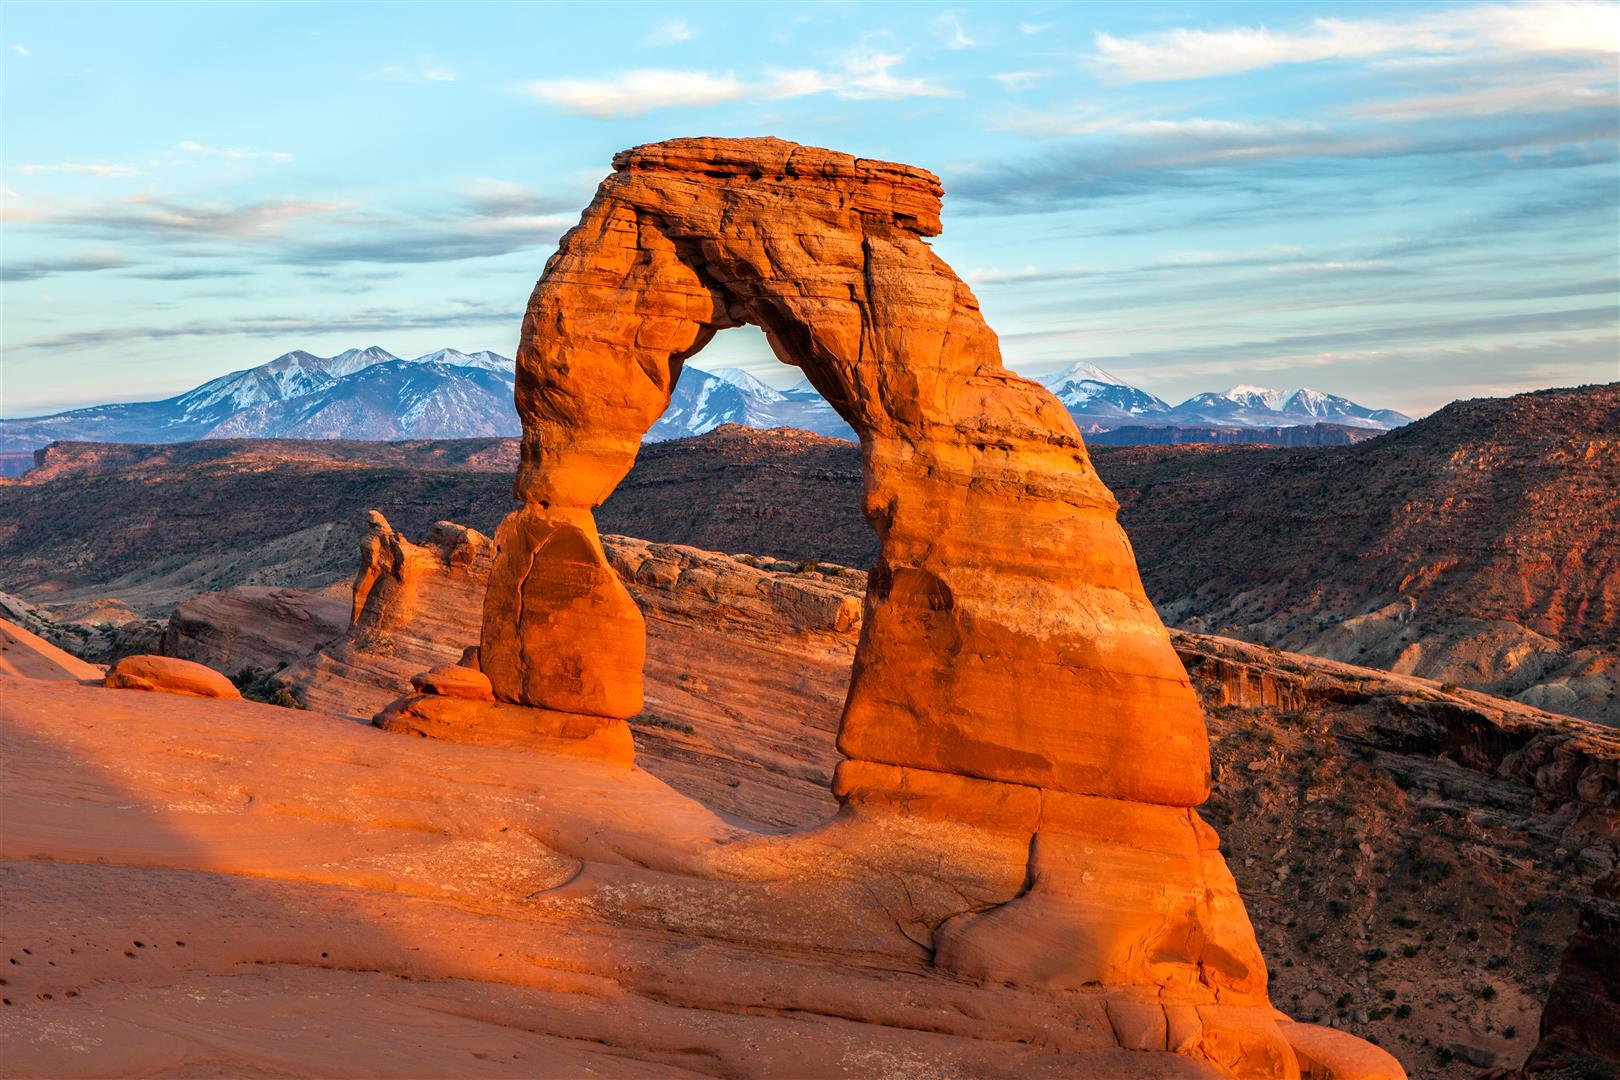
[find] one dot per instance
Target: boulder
(454, 681)
(167, 675)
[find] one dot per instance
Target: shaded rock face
(1580, 1027)
(1012, 684)
(254, 627)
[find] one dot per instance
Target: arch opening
(1047, 666)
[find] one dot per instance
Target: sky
(1402, 203)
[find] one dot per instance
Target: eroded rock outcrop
(1016, 708)
(166, 675)
(414, 607)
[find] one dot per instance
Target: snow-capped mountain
(1099, 401)
(1256, 397)
(370, 393)
(364, 393)
(396, 399)
(745, 382)
(1086, 386)
(703, 400)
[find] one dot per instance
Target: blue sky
(1404, 203)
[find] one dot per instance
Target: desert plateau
(783, 646)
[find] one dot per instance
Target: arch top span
(1006, 637)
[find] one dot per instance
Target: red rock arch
(1007, 635)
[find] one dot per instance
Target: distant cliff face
(1479, 546)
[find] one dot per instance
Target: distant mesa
(369, 393)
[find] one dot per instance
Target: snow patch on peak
(1082, 371)
(744, 380)
(1256, 397)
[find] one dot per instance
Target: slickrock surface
(255, 627)
(166, 675)
(26, 655)
(187, 881)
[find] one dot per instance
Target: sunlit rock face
(1007, 634)
(1015, 702)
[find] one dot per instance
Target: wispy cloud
(90, 168)
(1183, 53)
(19, 50)
(670, 32)
(34, 269)
(863, 74)
(490, 218)
(631, 93)
(150, 215)
(1133, 157)
(371, 320)
(1504, 91)
(236, 155)
(949, 29)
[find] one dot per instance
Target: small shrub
(285, 699)
(1402, 1011)
(1488, 993)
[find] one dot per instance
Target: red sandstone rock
(560, 631)
(415, 607)
(453, 680)
(498, 723)
(1006, 637)
(254, 626)
(170, 676)
(26, 655)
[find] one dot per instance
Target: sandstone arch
(1007, 637)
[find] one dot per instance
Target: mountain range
(372, 394)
